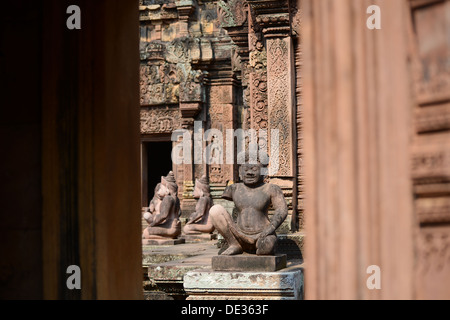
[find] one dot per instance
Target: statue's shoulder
(229, 191)
(169, 200)
(203, 200)
(274, 189)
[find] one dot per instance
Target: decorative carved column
(272, 18)
(191, 101)
(233, 17)
(222, 115)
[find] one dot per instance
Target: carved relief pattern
(159, 84)
(159, 120)
(231, 13)
(221, 117)
(278, 92)
(433, 56)
(431, 164)
(433, 249)
(258, 81)
(167, 75)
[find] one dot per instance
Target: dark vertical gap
(67, 119)
(159, 157)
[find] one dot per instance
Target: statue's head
(170, 184)
(201, 187)
(160, 192)
(251, 166)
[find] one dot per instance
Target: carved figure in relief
(253, 232)
(199, 221)
(165, 223)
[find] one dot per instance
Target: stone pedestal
(162, 242)
(248, 262)
(286, 284)
(201, 237)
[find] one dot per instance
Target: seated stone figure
(253, 232)
(165, 223)
(154, 205)
(199, 221)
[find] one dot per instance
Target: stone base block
(286, 284)
(193, 238)
(248, 262)
(162, 242)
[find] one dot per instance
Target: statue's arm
(280, 208)
(164, 210)
(200, 210)
(151, 207)
(279, 205)
(229, 192)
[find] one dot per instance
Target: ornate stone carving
(159, 84)
(159, 120)
(433, 247)
(231, 13)
(279, 108)
(167, 75)
(432, 81)
(431, 163)
(157, 11)
(258, 82)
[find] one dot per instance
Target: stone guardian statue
(165, 223)
(253, 232)
(199, 221)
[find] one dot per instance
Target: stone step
(167, 265)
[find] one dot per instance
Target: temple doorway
(156, 162)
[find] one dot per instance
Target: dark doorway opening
(159, 163)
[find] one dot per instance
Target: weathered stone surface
(193, 238)
(168, 276)
(248, 262)
(162, 242)
(213, 285)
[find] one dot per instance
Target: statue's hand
(267, 231)
(147, 216)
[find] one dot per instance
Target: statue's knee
(266, 245)
(187, 228)
(216, 211)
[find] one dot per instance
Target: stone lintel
(248, 262)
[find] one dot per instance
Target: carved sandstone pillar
(280, 89)
(272, 20)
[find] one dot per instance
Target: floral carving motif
(278, 93)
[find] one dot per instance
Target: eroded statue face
(163, 191)
(251, 174)
(198, 193)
